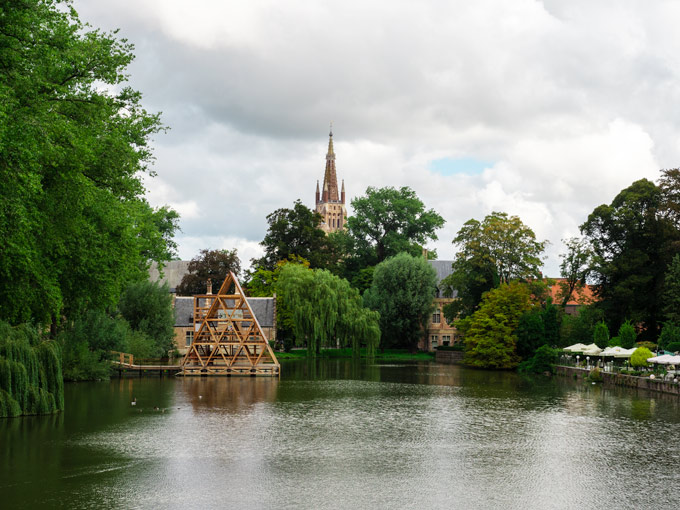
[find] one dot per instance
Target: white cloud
(572, 100)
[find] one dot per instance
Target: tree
(326, 311)
(671, 293)
(601, 335)
(402, 291)
(530, 333)
(293, 232)
(574, 268)
(74, 138)
(627, 335)
(633, 240)
(496, 250)
(580, 328)
(147, 307)
(490, 339)
(209, 264)
(388, 221)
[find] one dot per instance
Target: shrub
(670, 335)
(672, 346)
(542, 361)
(595, 375)
(639, 357)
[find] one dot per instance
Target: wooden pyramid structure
(228, 340)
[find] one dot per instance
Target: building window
(189, 338)
(437, 317)
(446, 340)
(434, 341)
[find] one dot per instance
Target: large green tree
(388, 221)
(490, 332)
(293, 232)
(496, 250)
(402, 290)
(73, 148)
(209, 264)
(633, 240)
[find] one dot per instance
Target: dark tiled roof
(263, 308)
(443, 269)
(184, 310)
(173, 272)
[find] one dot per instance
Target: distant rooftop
(443, 269)
(173, 272)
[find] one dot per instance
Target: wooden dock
(125, 366)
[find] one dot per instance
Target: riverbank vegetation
(75, 225)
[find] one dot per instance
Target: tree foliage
(633, 240)
(671, 294)
(402, 290)
(601, 335)
(490, 339)
(209, 264)
(74, 139)
(544, 360)
(496, 250)
(574, 268)
(670, 336)
(627, 335)
(530, 333)
(293, 232)
(388, 221)
(147, 307)
(31, 381)
(640, 357)
(579, 328)
(325, 311)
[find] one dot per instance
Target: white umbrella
(576, 348)
(664, 359)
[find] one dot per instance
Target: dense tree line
(74, 144)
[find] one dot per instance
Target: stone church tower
(329, 204)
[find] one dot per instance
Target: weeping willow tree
(325, 311)
(31, 381)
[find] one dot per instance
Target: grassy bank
(386, 354)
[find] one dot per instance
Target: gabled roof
(581, 296)
(443, 269)
(263, 308)
(173, 272)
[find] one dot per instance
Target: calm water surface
(339, 435)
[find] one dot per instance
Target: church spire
(330, 178)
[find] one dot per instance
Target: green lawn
(386, 354)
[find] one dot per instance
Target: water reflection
(341, 434)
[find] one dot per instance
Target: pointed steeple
(317, 191)
(330, 178)
(342, 192)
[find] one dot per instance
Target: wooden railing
(123, 358)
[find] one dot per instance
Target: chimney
(209, 283)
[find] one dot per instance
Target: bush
(542, 361)
(456, 347)
(672, 346)
(614, 342)
(639, 357)
(595, 375)
(670, 335)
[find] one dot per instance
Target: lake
(337, 434)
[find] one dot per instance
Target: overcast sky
(539, 109)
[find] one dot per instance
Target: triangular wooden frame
(228, 339)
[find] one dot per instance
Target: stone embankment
(629, 381)
(449, 356)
